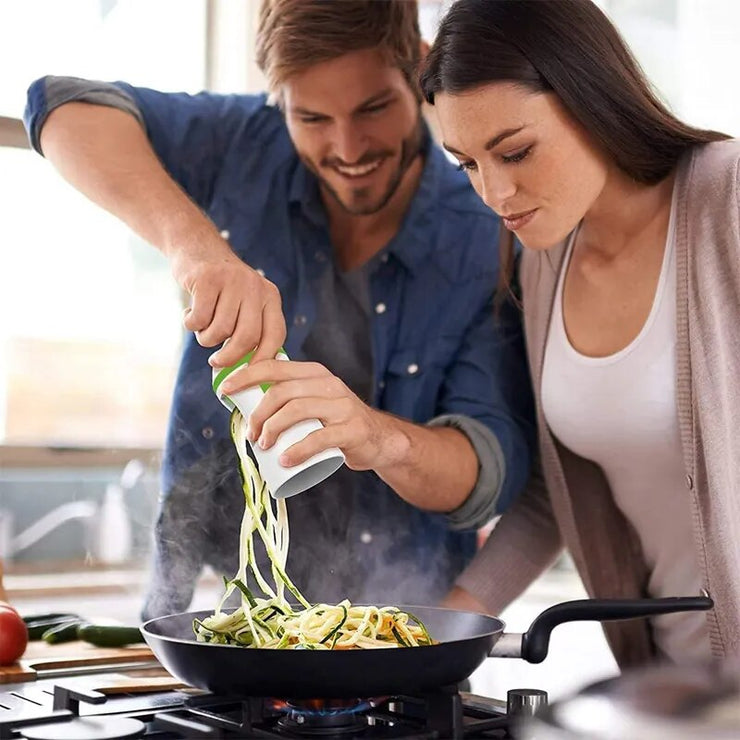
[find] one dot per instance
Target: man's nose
(350, 143)
(496, 189)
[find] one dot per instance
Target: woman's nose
(496, 190)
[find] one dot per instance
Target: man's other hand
(230, 303)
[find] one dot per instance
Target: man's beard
(410, 148)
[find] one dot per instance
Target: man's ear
(424, 47)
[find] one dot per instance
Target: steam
(351, 537)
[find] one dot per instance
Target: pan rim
(404, 607)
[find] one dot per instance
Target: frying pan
(465, 640)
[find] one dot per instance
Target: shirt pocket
(415, 378)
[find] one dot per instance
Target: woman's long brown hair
(568, 47)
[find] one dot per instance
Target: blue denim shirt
(437, 349)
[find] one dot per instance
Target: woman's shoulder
(714, 163)
(709, 182)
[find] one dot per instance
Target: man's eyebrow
(373, 99)
(297, 109)
(491, 143)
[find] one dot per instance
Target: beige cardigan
(580, 512)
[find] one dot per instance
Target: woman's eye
(517, 156)
(466, 166)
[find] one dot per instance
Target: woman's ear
(423, 50)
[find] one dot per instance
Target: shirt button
(689, 483)
(225, 234)
(207, 432)
(319, 256)
(412, 369)
(260, 271)
(380, 308)
(381, 384)
(366, 538)
(300, 320)
(384, 257)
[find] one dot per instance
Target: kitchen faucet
(107, 527)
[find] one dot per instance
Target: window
(90, 340)
(160, 44)
(688, 49)
(91, 317)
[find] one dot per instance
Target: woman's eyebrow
(491, 143)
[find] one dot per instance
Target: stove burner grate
(323, 725)
(439, 714)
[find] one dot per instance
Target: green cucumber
(36, 629)
(106, 635)
(64, 632)
(49, 617)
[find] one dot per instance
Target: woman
(630, 281)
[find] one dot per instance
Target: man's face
(356, 125)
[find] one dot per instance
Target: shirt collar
(412, 244)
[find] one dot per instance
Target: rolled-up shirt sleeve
(480, 506)
(488, 383)
(50, 92)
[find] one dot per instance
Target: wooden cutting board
(40, 656)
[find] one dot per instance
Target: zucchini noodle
(272, 621)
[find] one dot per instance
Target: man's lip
(375, 166)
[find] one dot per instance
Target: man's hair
(296, 34)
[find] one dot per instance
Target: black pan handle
(536, 640)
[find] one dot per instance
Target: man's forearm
(431, 468)
(104, 153)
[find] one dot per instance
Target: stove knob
(525, 702)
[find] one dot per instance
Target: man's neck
(356, 239)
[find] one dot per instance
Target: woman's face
(526, 157)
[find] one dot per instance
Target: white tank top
(620, 412)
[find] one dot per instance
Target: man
(335, 202)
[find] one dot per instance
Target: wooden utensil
(119, 683)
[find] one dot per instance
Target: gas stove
(68, 709)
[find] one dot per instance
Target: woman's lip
(518, 221)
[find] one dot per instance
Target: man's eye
(375, 108)
(312, 119)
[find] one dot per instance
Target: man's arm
(104, 153)
(431, 468)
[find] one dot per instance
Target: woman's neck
(624, 214)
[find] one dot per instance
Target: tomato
(13, 635)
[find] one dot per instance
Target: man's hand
(432, 468)
(307, 390)
(230, 302)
